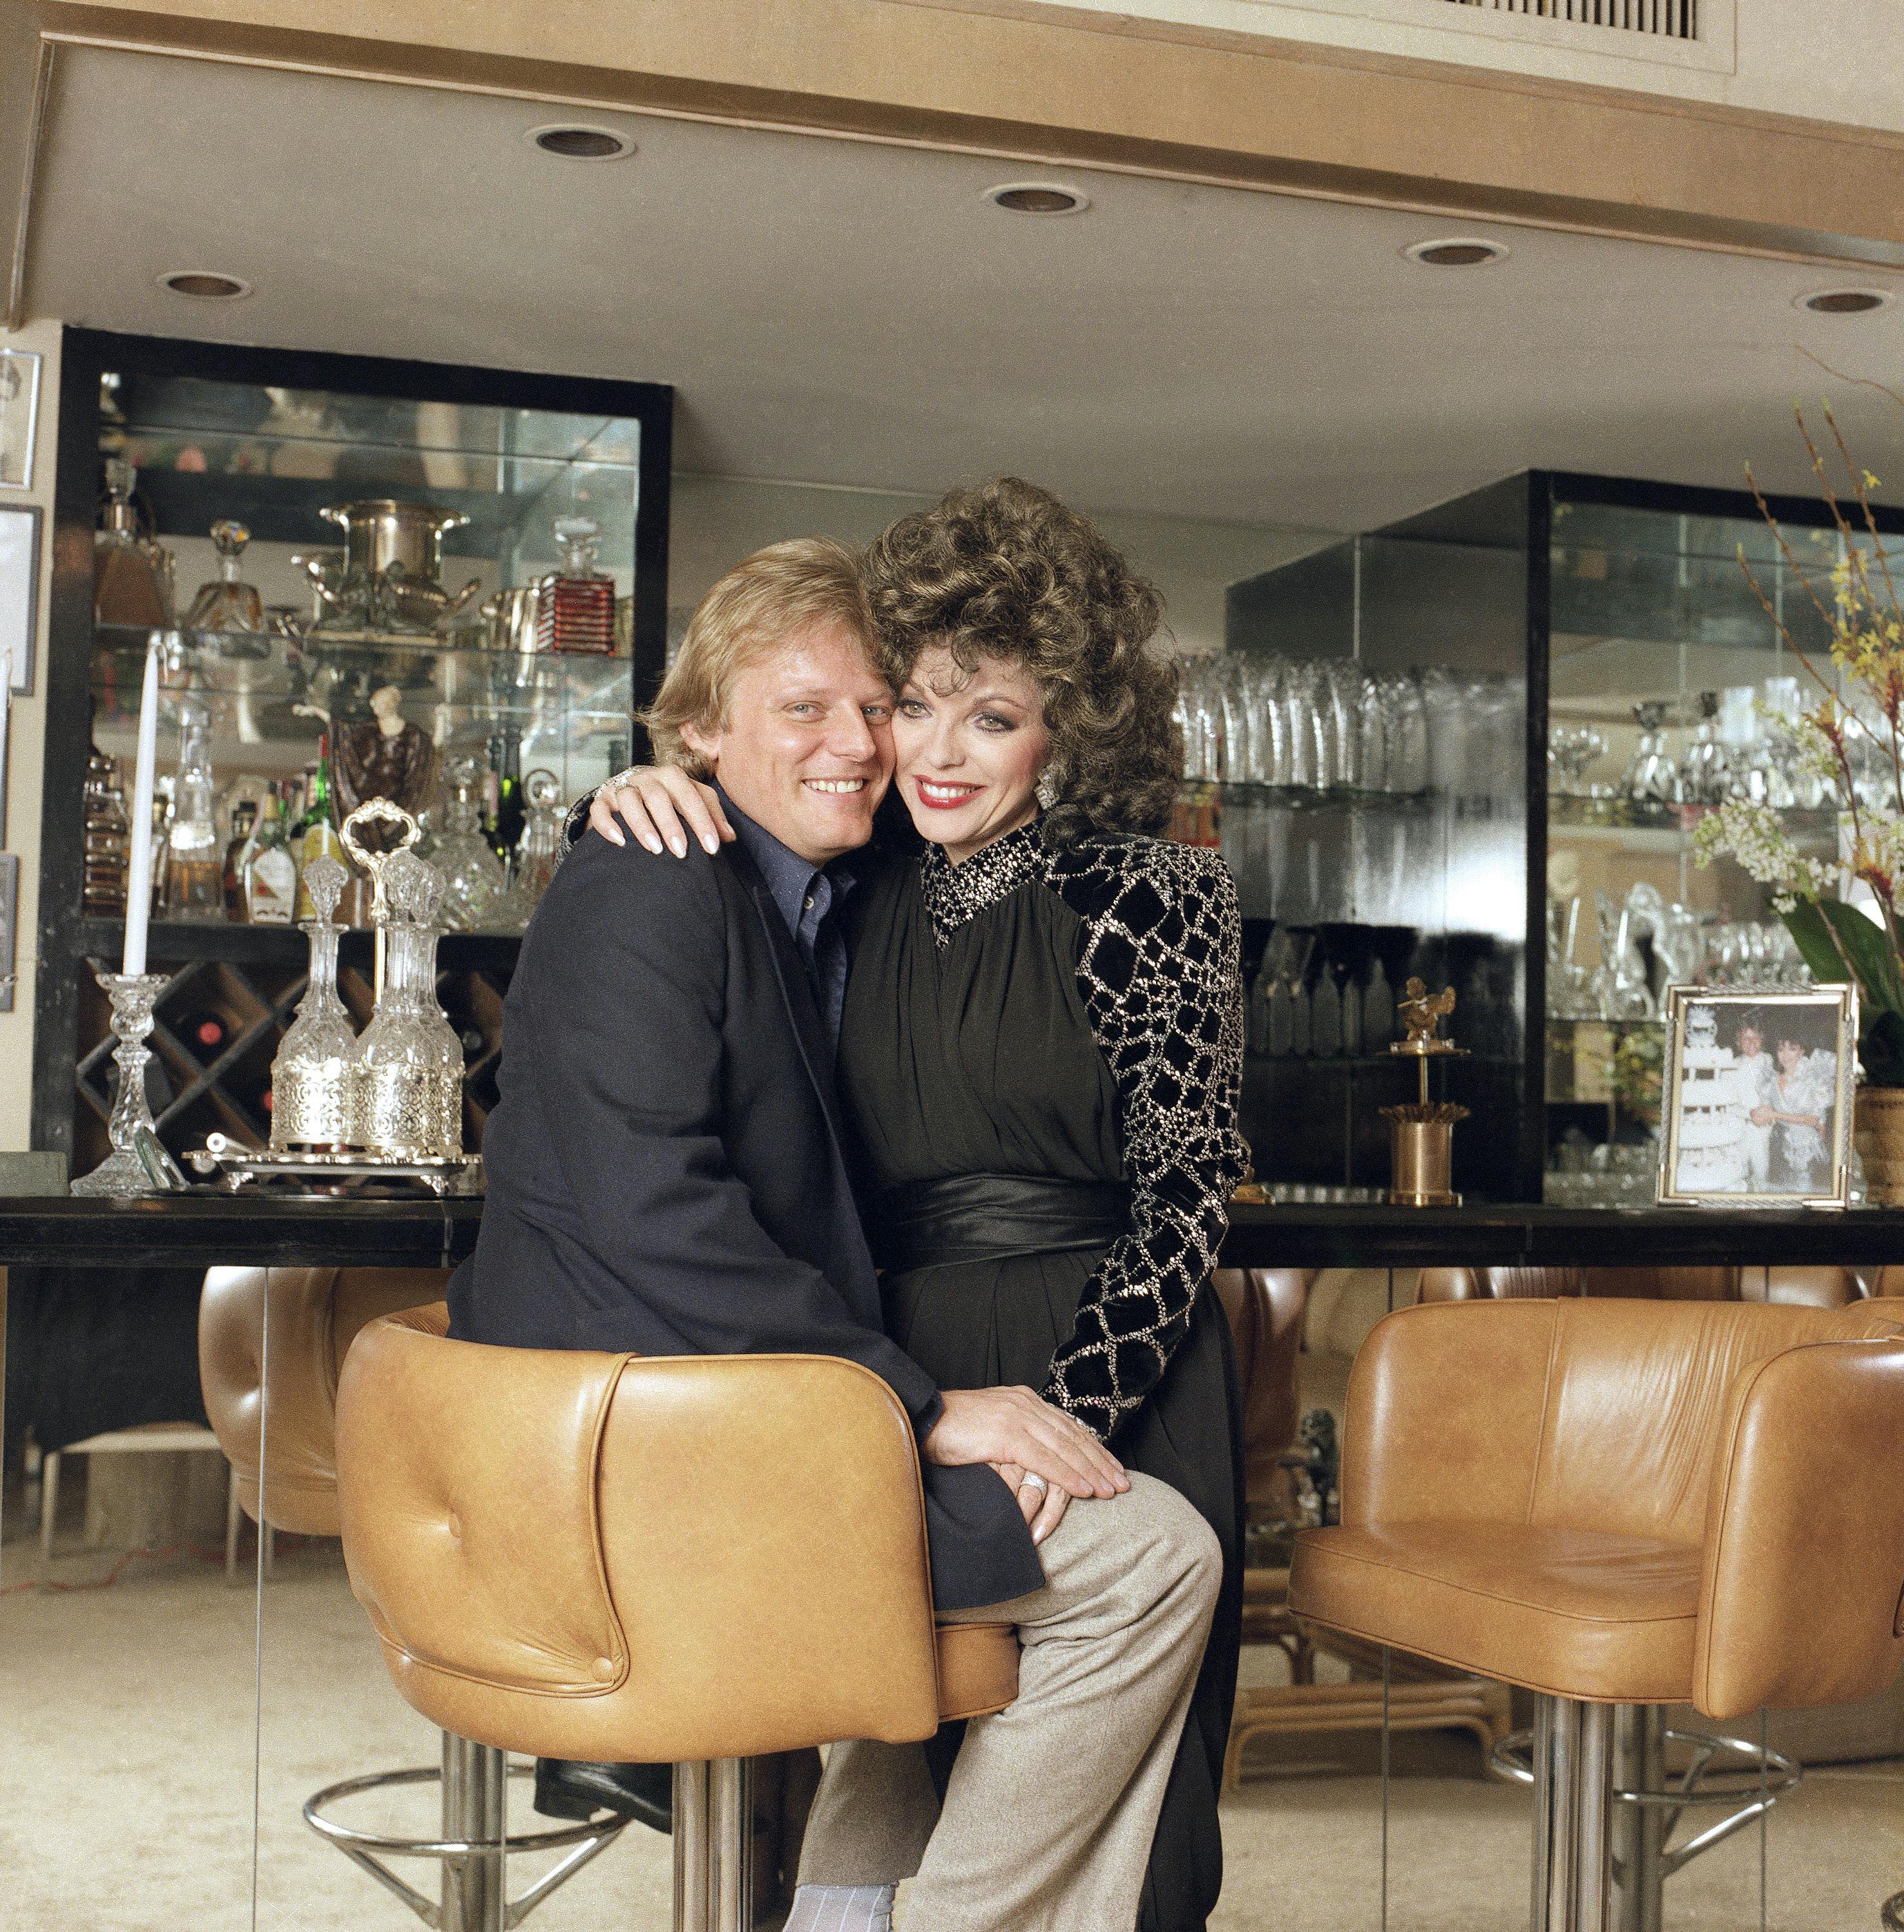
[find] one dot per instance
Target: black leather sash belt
(978, 1217)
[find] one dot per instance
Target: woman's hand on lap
(1042, 1509)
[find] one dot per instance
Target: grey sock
(842, 1908)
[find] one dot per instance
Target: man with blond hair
(665, 1176)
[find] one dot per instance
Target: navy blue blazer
(665, 1170)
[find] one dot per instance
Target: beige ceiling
(844, 312)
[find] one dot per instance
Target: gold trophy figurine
(1421, 1132)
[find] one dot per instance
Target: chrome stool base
(714, 1846)
(475, 1846)
(1640, 1812)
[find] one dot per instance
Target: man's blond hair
(763, 600)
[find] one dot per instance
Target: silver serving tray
(326, 1174)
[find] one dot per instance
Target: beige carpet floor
(129, 1731)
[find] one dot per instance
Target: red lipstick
(943, 804)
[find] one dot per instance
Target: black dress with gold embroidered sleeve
(1041, 1025)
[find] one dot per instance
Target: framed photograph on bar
(1757, 1109)
(19, 416)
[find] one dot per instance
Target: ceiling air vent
(1663, 20)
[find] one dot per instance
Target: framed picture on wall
(19, 416)
(1757, 1109)
(19, 591)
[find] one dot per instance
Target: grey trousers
(1047, 1822)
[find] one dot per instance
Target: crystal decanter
(407, 1091)
(311, 1077)
(537, 852)
(228, 604)
(575, 603)
(473, 881)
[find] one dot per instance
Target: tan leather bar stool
(271, 1344)
(1619, 1504)
(692, 1560)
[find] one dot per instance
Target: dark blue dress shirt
(807, 896)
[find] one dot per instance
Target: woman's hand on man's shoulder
(662, 805)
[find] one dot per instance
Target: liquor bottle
(537, 853)
(317, 836)
(270, 877)
(195, 864)
(107, 847)
(505, 828)
(131, 576)
(575, 603)
(243, 818)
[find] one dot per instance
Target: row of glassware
(1327, 725)
(1739, 745)
(1686, 948)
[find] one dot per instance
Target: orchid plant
(1850, 736)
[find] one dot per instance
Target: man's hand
(1043, 1508)
(655, 801)
(1016, 1427)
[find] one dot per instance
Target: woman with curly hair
(1040, 1057)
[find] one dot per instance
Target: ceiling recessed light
(1038, 198)
(574, 142)
(1456, 251)
(205, 284)
(1844, 301)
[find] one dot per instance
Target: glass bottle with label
(270, 877)
(317, 836)
(194, 863)
(575, 603)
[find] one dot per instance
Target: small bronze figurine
(1421, 1132)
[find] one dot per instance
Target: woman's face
(1789, 1054)
(968, 749)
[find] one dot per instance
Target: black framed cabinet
(500, 465)
(1475, 745)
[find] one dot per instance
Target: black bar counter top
(207, 1229)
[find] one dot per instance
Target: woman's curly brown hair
(1006, 571)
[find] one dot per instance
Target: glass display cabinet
(374, 579)
(1475, 746)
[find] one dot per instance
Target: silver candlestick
(124, 1174)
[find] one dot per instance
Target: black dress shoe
(573, 1788)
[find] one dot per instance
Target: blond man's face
(806, 747)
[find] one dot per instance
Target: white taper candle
(138, 872)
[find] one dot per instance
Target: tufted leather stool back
(313, 1315)
(649, 1559)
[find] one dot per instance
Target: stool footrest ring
(1512, 1758)
(361, 1846)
